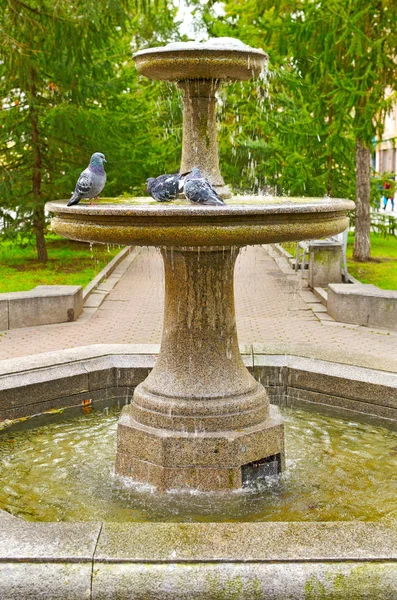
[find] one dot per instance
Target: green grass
(380, 271)
(69, 263)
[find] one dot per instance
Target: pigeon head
(97, 160)
(193, 174)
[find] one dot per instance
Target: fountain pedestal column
(199, 419)
(199, 143)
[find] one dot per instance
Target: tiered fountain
(200, 419)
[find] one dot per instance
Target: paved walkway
(274, 310)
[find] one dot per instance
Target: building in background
(386, 151)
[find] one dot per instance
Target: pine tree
(68, 88)
(347, 50)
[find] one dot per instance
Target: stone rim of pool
(96, 560)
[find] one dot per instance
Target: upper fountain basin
(245, 220)
(218, 58)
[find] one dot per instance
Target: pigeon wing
(84, 184)
(166, 188)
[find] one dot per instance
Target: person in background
(388, 194)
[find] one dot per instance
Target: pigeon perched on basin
(165, 187)
(199, 190)
(91, 181)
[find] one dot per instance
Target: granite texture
(3, 314)
(200, 61)
(45, 581)
(307, 561)
(199, 405)
(263, 221)
(200, 146)
(302, 581)
(228, 542)
(204, 460)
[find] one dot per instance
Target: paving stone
(270, 309)
(95, 299)
(317, 307)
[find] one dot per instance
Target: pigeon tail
(75, 199)
(213, 200)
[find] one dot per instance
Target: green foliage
(68, 88)
(284, 139)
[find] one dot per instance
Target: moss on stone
(366, 582)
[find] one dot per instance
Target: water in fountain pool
(337, 469)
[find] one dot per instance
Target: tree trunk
(362, 244)
(330, 160)
(38, 213)
(39, 228)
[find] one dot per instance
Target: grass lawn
(380, 271)
(69, 263)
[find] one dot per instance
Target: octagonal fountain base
(208, 461)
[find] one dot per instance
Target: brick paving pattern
(273, 307)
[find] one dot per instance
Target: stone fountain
(200, 419)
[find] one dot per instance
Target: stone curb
(106, 271)
(197, 560)
(39, 383)
(98, 289)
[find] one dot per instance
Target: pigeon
(165, 187)
(91, 181)
(199, 190)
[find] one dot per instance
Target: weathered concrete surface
(156, 561)
(363, 304)
(3, 314)
(234, 542)
(39, 542)
(324, 263)
(43, 305)
(41, 382)
(45, 581)
(246, 581)
(46, 560)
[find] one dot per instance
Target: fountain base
(207, 461)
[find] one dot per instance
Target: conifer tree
(47, 55)
(68, 88)
(335, 61)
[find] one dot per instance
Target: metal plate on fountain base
(258, 470)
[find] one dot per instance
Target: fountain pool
(337, 466)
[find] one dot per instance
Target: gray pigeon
(91, 181)
(165, 187)
(199, 190)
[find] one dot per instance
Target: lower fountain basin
(207, 560)
(243, 221)
(337, 466)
